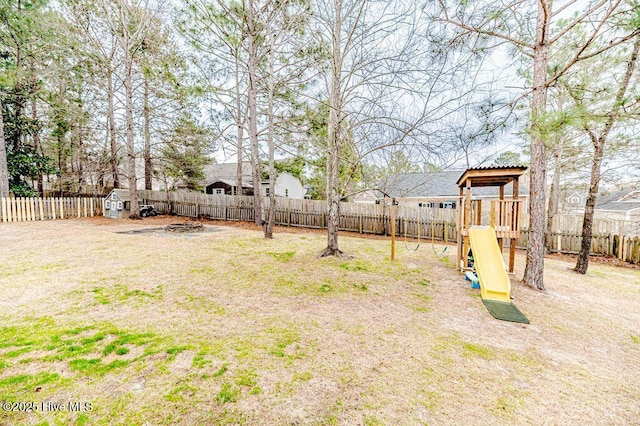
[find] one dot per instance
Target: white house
(286, 185)
(221, 179)
(367, 196)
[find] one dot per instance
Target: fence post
(4, 209)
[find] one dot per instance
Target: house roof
(435, 184)
(232, 182)
(123, 194)
(619, 206)
(615, 201)
(491, 176)
(228, 171)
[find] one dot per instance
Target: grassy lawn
(228, 328)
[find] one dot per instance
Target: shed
(117, 205)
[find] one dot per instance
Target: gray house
(117, 205)
(624, 205)
(440, 188)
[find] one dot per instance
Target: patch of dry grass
(229, 328)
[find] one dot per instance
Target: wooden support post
(5, 216)
(79, 206)
(393, 229)
(466, 225)
(458, 230)
(512, 254)
(479, 212)
(32, 209)
(19, 209)
(492, 213)
(41, 208)
(61, 207)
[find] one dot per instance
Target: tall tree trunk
(147, 137)
(4, 172)
(599, 142)
(36, 142)
(131, 152)
(252, 67)
(80, 159)
(587, 222)
(112, 130)
(533, 273)
(554, 191)
(240, 127)
(271, 217)
(334, 142)
(34, 116)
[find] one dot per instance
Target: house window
(286, 192)
(114, 196)
(127, 205)
(120, 205)
(266, 191)
(107, 205)
(219, 191)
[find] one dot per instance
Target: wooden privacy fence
(20, 209)
(611, 237)
(354, 217)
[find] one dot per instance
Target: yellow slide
(489, 264)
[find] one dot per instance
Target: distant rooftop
(435, 184)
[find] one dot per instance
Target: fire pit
(184, 227)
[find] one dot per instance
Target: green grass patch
(283, 337)
(227, 393)
(282, 256)
(200, 360)
(13, 387)
(177, 349)
(302, 377)
(223, 369)
(95, 366)
(122, 293)
(122, 351)
(356, 266)
(477, 350)
(325, 288)
(246, 378)
(635, 339)
(182, 393)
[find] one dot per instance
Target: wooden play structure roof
(491, 176)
